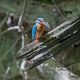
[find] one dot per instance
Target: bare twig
(4, 20)
(9, 29)
(10, 48)
(6, 73)
(59, 9)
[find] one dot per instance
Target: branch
(4, 20)
(9, 29)
(10, 48)
(67, 23)
(6, 73)
(21, 16)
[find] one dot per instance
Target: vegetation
(54, 11)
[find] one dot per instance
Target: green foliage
(45, 1)
(7, 55)
(43, 8)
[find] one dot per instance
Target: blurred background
(55, 12)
